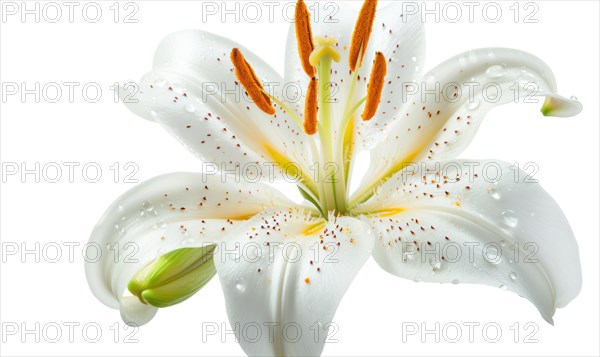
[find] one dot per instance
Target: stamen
(310, 107)
(362, 33)
(304, 37)
(375, 86)
(245, 74)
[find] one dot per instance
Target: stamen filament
(246, 76)
(362, 33)
(351, 112)
(304, 37)
(288, 110)
(375, 87)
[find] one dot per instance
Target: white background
(371, 315)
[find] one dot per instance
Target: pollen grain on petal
(304, 37)
(362, 33)
(245, 74)
(311, 108)
(375, 88)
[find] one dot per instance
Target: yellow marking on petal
(456, 203)
(240, 217)
(283, 161)
(314, 228)
(348, 146)
(311, 107)
(375, 86)
(362, 33)
(389, 212)
(246, 76)
(325, 47)
(307, 280)
(292, 169)
(304, 37)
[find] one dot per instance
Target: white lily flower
(415, 209)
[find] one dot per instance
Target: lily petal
(158, 216)
(288, 278)
(192, 91)
(441, 126)
(463, 221)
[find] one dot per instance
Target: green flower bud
(174, 277)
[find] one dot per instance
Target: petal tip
(134, 313)
(557, 106)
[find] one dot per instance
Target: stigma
(325, 48)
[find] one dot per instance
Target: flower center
(331, 139)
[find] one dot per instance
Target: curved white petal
(288, 277)
(134, 313)
(489, 225)
(192, 91)
(440, 126)
(160, 215)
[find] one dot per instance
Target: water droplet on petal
(414, 59)
(407, 256)
(513, 276)
(120, 207)
(240, 285)
(494, 194)
(573, 97)
(147, 206)
(435, 264)
(503, 287)
(455, 281)
(495, 71)
(509, 218)
(188, 241)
